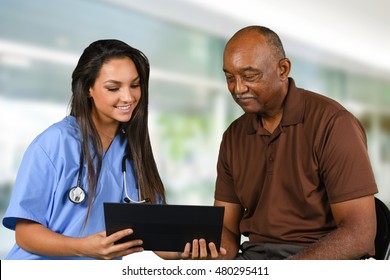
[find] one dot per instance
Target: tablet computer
(164, 227)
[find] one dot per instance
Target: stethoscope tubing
(77, 194)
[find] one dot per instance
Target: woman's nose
(126, 96)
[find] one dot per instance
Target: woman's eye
(113, 89)
(135, 86)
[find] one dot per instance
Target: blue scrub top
(48, 171)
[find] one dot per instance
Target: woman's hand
(37, 239)
(100, 246)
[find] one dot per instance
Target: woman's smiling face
(116, 92)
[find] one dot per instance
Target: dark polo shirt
(286, 180)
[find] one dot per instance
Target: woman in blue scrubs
(69, 170)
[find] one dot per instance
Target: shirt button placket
(270, 158)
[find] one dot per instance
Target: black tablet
(165, 227)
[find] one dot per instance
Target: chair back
(382, 239)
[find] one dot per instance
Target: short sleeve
(344, 161)
(33, 188)
(224, 190)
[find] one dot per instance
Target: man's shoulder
(242, 122)
(320, 101)
(321, 111)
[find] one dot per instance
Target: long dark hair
(136, 129)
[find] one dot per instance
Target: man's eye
(229, 79)
(250, 77)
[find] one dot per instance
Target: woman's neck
(106, 131)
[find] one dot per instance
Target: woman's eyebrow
(112, 82)
(118, 82)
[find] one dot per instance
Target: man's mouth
(244, 96)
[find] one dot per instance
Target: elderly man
(294, 174)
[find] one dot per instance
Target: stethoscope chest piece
(77, 194)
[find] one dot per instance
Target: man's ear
(284, 67)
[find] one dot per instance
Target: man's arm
(354, 236)
(231, 232)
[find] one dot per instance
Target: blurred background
(337, 48)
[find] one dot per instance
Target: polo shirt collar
(294, 105)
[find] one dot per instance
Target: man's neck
(270, 123)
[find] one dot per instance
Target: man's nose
(240, 87)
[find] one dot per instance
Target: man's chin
(250, 109)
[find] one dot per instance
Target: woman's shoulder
(63, 133)
(66, 129)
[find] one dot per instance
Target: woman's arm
(35, 238)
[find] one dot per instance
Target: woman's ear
(284, 68)
(90, 92)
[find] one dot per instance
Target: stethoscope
(77, 194)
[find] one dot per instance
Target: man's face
(252, 73)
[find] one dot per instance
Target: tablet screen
(164, 227)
